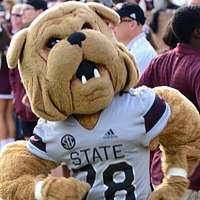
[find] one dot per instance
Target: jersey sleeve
(37, 144)
(156, 113)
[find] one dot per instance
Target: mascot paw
(162, 194)
(172, 188)
(61, 188)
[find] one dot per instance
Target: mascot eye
(52, 42)
(86, 26)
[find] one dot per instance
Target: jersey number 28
(113, 187)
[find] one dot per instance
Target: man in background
(32, 8)
(130, 33)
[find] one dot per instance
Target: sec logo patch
(68, 142)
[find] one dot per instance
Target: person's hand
(25, 101)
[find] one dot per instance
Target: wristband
(177, 172)
(38, 187)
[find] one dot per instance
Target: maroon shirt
(25, 113)
(5, 88)
(178, 68)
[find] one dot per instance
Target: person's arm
(12, 78)
(147, 78)
(197, 88)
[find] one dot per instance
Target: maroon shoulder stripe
(155, 113)
(37, 142)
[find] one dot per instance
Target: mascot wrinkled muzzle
(75, 66)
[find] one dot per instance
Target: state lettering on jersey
(97, 154)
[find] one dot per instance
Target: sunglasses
(16, 15)
(125, 20)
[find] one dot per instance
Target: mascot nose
(76, 38)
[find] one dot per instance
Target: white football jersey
(113, 157)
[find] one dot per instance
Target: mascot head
(70, 61)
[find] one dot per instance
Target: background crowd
(162, 35)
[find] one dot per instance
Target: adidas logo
(109, 134)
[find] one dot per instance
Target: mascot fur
(78, 80)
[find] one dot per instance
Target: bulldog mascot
(78, 79)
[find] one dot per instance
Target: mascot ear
(16, 47)
(105, 12)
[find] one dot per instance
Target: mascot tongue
(87, 69)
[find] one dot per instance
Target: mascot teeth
(96, 73)
(83, 79)
(87, 70)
